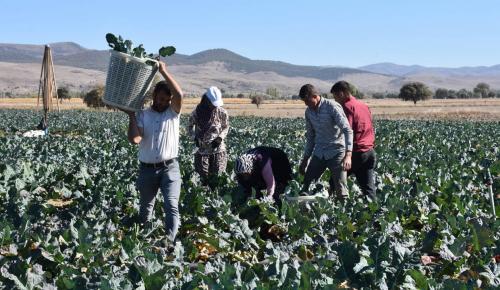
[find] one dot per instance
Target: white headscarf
(215, 96)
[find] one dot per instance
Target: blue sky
(344, 33)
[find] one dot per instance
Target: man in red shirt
(363, 155)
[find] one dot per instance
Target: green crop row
(68, 202)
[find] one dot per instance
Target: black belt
(159, 164)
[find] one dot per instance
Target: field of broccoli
(68, 202)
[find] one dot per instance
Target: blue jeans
(168, 179)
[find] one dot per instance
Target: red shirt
(360, 118)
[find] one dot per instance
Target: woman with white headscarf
(264, 168)
(208, 126)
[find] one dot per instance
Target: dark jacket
(280, 165)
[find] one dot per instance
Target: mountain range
(80, 68)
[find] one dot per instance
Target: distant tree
(482, 90)
(415, 92)
(94, 97)
(240, 96)
(452, 94)
(392, 96)
(464, 94)
(355, 92)
(63, 94)
(441, 94)
(385, 95)
(8, 94)
(273, 92)
(257, 100)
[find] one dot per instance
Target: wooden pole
(48, 86)
(41, 80)
(46, 80)
(54, 83)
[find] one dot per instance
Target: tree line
(413, 91)
(417, 91)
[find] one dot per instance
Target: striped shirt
(328, 131)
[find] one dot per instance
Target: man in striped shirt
(328, 141)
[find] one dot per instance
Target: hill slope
(80, 68)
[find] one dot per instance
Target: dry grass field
(475, 109)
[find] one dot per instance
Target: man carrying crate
(156, 131)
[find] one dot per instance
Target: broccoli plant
(125, 46)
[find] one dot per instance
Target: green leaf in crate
(167, 51)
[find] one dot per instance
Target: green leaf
(13, 278)
(430, 240)
(112, 40)
(167, 51)
(419, 278)
(5, 238)
(35, 276)
(138, 51)
(363, 263)
(128, 46)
